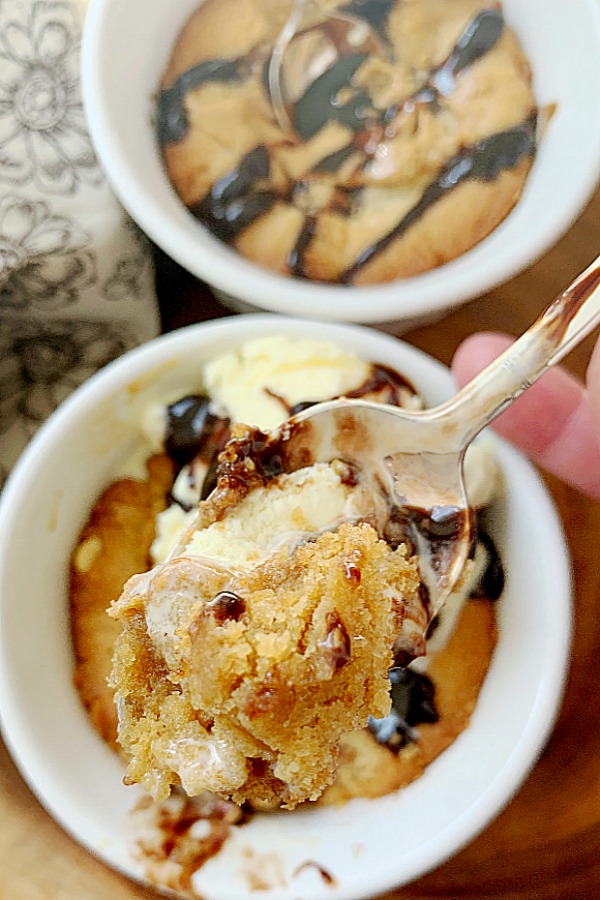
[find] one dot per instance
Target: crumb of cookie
(244, 684)
(113, 545)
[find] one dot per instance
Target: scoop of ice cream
(264, 380)
(261, 383)
(308, 502)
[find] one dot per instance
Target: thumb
(593, 385)
(556, 422)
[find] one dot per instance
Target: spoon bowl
(414, 461)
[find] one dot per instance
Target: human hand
(556, 422)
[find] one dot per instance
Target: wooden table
(546, 843)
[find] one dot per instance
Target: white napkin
(76, 279)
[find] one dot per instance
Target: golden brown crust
(224, 30)
(477, 208)
(113, 545)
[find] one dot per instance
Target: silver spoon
(276, 62)
(306, 19)
(416, 457)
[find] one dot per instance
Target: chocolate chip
(337, 643)
(352, 573)
(226, 606)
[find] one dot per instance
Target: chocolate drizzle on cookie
(334, 161)
(413, 703)
(238, 198)
(479, 37)
(319, 105)
(296, 256)
(171, 120)
(482, 162)
(374, 12)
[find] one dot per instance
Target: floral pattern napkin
(76, 279)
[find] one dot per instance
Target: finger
(593, 384)
(553, 422)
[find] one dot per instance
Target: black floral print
(43, 136)
(44, 260)
(42, 362)
(76, 281)
(126, 278)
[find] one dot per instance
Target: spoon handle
(566, 322)
(276, 61)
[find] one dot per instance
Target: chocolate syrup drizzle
(413, 703)
(296, 255)
(383, 381)
(483, 162)
(374, 12)
(171, 121)
(479, 37)
(317, 106)
(491, 584)
(244, 195)
(192, 430)
(237, 199)
(334, 161)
